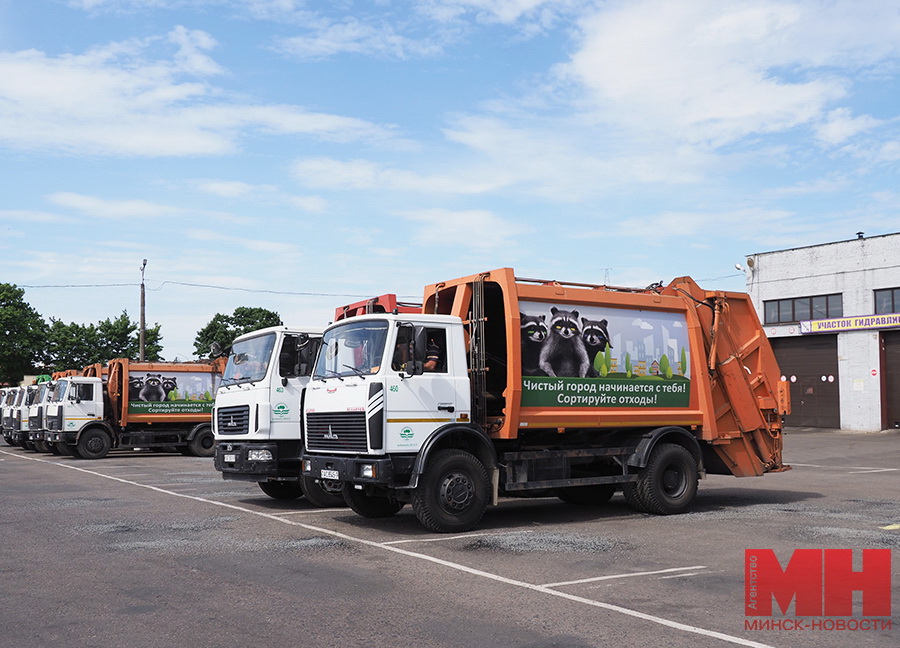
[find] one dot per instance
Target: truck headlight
(367, 471)
(307, 465)
(259, 455)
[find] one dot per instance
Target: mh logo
(820, 582)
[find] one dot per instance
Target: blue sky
(296, 154)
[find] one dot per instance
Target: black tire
(594, 495)
(64, 449)
(324, 494)
(94, 444)
(40, 446)
(668, 484)
(453, 492)
(9, 441)
(203, 444)
(282, 490)
(369, 506)
(54, 449)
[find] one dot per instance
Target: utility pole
(143, 325)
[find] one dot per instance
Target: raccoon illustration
(596, 340)
(168, 384)
(152, 389)
(534, 332)
(563, 353)
(135, 383)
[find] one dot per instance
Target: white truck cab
(257, 418)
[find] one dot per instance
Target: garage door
(890, 341)
(810, 363)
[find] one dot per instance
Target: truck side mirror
(416, 364)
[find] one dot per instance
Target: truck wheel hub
(457, 491)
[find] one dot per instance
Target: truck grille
(233, 420)
(55, 422)
(339, 431)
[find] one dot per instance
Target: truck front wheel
(203, 444)
(453, 492)
(668, 484)
(370, 506)
(281, 490)
(94, 444)
(324, 494)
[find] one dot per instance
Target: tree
(73, 346)
(222, 329)
(664, 367)
(120, 338)
(21, 335)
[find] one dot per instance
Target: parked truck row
(123, 404)
(498, 386)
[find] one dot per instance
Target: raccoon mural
(596, 340)
(563, 353)
(534, 332)
(152, 389)
(169, 384)
(135, 384)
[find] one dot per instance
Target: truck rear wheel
(369, 506)
(452, 494)
(94, 444)
(324, 494)
(668, 484)
(282, 490)
(203, 444)
(595, 495)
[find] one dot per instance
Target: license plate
(229, 458)
(331, 474)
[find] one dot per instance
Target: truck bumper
(55, 436)
(391, 471)
(235, 461)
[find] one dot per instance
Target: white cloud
(840, 125)
(353, 36)
(364, 175)
(715, 71)
(474, 229)
(189, 57)
(119, 209)
(112, 101)
(269, 194)
(254, 245)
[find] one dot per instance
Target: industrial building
(832, 314)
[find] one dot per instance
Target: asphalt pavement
(145, 549)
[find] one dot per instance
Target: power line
(210, 286)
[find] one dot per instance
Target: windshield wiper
(359, 372)
(334, 373)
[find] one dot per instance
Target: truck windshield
(352, 349)
(249, 360)
(60, 391)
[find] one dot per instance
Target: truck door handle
(446, 408)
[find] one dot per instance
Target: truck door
(295, 360)
(83, 405)
(417, 405)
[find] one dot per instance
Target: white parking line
(860, 469)
(628, 575)
(541, 589)
(308, 511)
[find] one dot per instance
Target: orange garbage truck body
(136, 405)
(571, 389)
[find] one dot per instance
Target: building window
(785, 311)
(887, 301)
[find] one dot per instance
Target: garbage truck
(155, 405)
(508, 386)
(256, 418)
